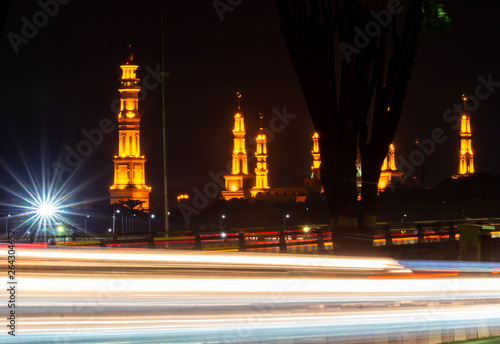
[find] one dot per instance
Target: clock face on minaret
(129, 171)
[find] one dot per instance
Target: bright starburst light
(41, 201)
(46, 209)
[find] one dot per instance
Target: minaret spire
(130, 54)
(389, 163)
(129, 172)
(466, 164)
(389, 173)
(239, 168)
(316, 157)
(261, 170)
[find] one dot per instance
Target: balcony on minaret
(129, 83)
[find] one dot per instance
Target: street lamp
(46, 211)
(152, 217)
(86, 224)
(114, 220)
(220, 222)
(7, 226)
(287, 216)
(118, 212)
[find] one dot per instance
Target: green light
(60, 228)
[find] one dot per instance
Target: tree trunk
(371, 86)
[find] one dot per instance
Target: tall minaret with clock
(129, 172)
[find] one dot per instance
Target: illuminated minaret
(389, 170)
(389, 161)
(313, 184)
(239, 152)
(239, 171)
(261, 170)
(316, 157)
(466, 165)
(129, 172)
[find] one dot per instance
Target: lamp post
(86, 224)
(7, 226)
(221, 219)
(151, 217)
(118, 212)
(287, 216)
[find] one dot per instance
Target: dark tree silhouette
(354, 59)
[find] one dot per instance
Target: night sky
(65, 79)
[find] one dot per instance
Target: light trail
(151, 296)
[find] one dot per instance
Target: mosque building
(129, 164)
(242, 184)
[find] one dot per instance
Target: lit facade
(235, 183)
(129, 172)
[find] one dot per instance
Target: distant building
(465, 157)
(129, 172)
(241, 184)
